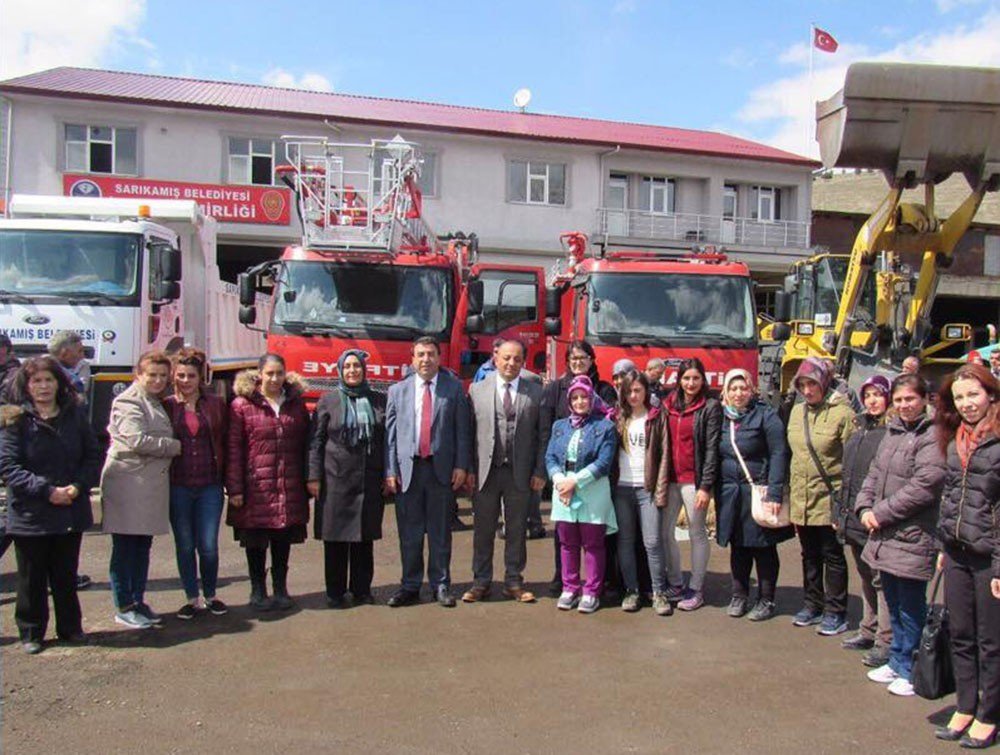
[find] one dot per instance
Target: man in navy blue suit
(426, 460)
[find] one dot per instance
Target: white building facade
(517, 180)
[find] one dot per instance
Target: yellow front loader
(918, 125)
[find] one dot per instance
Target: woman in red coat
(266, 474)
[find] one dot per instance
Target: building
(970, 290)
(517, 179)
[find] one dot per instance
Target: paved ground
(495, 677)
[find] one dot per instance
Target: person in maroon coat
(266, 474)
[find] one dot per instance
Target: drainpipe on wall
(600, 184)
(7, 150)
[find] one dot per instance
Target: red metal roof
(145, 89)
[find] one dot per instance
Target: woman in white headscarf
(752, 430)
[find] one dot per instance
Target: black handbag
(933, 676)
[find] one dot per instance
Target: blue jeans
(634, 509)
(907, 601)
(195, 514)
(129, 568)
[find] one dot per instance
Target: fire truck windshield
(39, 263)
(664, 308)
(395, 302)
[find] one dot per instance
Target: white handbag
(758, 494)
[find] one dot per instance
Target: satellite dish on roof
(521, 98)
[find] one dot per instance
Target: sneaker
(737, 607)
(807, 617)
(877, 656)
(217, 607)
(32, 647)
(858, 641)
(83, 581)
(692, 602)
(661, 605)
(883, 675)
(832, 624)
(674, 593)
(132, 619)
(151, 616)
(630, 604)
(589, 604)
(762, 611)
(187, 612)
(901, 687)
(567, 601)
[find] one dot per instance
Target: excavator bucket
(916, 123)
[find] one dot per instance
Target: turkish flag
(824, 41)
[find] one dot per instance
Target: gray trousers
(486, 503)
(678, 496)
(875, 617)
(638, 515)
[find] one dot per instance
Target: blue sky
(740, 67)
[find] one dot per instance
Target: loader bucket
(915, 123)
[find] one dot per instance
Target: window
(428, 174)
(100, 149)
(509, 298)
(765, 203)
(536, 182)
(657, 195)
(251, 161)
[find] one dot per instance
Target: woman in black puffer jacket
(875, 632)
(968, 420)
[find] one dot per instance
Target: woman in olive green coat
(830, 420)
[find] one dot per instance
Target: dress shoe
(951, 735)
(77, 638)
(972, 743)
(365, 599)
(537, 532)
(403, 598)
(32, 647)
(475, 594)
(457, 525)
(519, 594)
(444, 596)
(83, 581)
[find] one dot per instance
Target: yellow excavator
(869, 310)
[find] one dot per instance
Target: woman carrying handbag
(753, 456)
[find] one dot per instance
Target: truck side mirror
(166, 290)
(170, 264)
(474, 324)
(781, 331)
(553, 326)
(782, 306)
(553, 302)
(248, 315)
(476, 293)
(247, 289)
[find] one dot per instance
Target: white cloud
(279, 77)
(782, 112)
(947, 6)
(40, 34)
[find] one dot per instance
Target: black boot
(282, 600)
(256, 560)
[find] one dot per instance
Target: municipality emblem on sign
(84, 188)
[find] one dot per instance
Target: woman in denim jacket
(579, 457)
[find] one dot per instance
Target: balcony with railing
(710, 229)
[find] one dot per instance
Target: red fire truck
(644, 304)
(371, 274)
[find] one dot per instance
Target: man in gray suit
(510, 438)
(427, 439)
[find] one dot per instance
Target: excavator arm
(918, 125)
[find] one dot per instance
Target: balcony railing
(713, 229)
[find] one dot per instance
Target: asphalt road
(496, 677)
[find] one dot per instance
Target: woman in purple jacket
(898, 505)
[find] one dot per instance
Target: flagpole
(812, 44)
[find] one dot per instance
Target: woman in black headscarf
(345, 476)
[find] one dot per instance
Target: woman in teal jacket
(578, 459)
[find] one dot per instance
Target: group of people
(909, 494)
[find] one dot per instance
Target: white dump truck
(129, 275)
